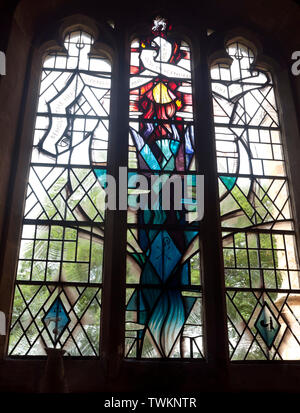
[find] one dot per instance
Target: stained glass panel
(57, 298)
(164, 295)
(259, 245)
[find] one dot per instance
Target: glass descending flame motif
(163, 277)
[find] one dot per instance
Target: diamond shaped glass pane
(267, 325)
(56, 320)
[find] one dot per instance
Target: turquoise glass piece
(101, 175)
(150, 158)
(228, 181)
(56, 320)
(267, 325)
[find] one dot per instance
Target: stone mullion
(113, 297)
(215, 330)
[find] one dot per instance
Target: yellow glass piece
(178, 103)
(143, 45)
(161, 94)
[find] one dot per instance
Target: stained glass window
(259, 246)
(57, 298)
(164, 295)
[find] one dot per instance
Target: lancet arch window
(57, 298)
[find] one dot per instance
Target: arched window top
(259, 244)
(164, 295)
(242, 64)
(63, 221)
(78, 54)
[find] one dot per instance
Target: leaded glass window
(57, 298)
(58, 287)
(164, 295)
(259, 246)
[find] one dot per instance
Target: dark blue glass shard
(164, 255)
(143, 239)
(159, 217)
(147, 216)
(151, 296)
(149, 275)
(188, 303)
(141, 303)
(185, 274)
(56, 320)
(152, 234)
(142, 317)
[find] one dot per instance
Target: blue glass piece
(149, 276)
(56, 320)
(138, 140)
(142, 317)
(150, 158)
(150, 298)
(185, 274)
(164, 255)
(189, 303)
(147, 216)
(188, 201)
(141, 303)
(228, 181)
(267, 325)
(139, 257)
(159, 217)
(170, 165)
(174, 146)
(152, 234)
(132, 179)
(191, 134)
(148, 129)
(191, 179)
(132, 303)
(189, 151)
(167, 320)
(132, 202)
(164, 145)
(101, 175)
(190, 235)
(143, 239)
(175, 133)
(169, 149)
(156, 206)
